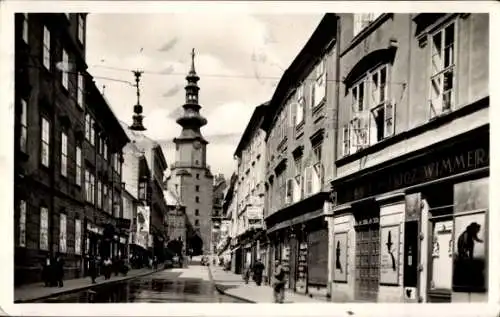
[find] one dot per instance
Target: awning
(300, 219)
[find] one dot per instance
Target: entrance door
(367, 262)
(441, 261)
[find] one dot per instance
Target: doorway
(367, 229)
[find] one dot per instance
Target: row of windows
(44, 230)
(306, 181)
(45, 147)
(64, 66)
(372, 111)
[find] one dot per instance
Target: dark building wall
(36, 184)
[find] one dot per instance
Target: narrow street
(186, 285)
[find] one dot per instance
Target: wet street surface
(189, 285)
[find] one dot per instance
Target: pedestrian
(246, 274)
(258, 269)
(46, 271)
(279, 283)
(59, 270)
(107, 268)
(93, 268)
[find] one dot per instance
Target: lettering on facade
(415, 172)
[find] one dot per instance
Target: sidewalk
(231, 284)
(31, 292)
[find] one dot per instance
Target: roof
(141, 143)
(101, 108)
(254, 124)
(321, 39)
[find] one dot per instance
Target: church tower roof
(191, 120)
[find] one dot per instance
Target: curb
(222, 292)
(81, 288)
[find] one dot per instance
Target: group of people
(53, 271)
(107, 267)
(278, 281)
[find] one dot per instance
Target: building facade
(300, 128)
(412, 159)
(190, 174)
(67, 161)
(250, 154)
(176, 222)
(144, 170)
(219, 188)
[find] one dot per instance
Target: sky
(239, 57)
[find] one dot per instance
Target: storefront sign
(143, 215)
(254, 213)
(285, 262)
(458, 159)
(469, 253)
(93, 228)
(340, 265)
(389, 255)
(123, 224)
(301, 284)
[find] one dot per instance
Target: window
(105, 201)
(317, 153)
(78, 172)
(25, 28)
(299, 115)
(289, 190)
(90, 187)
(64, 70)
(105, 150)
(45, 146)
(92, 131)
(87, 126)
(197, 188)
(99, 145)
(197, 199)
(80, 90)
(99, 194)
(372, 118)
(308, 180)
(22, 223)
(197, 176)
(442, 79)
(196, 212)
(318, 88)
(78, 236)
(197, 222)
(23, 141)
(44, 228)
(362, 20)
(142, 190)
(81, 28)
(64, 154)
(46, 48)
(62, 233)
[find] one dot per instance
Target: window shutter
(389, 119)
(312, 94)
(346, 140)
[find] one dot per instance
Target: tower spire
(192, 71)
(191, 121)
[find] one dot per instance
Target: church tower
(191, 175)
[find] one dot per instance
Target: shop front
(415, 230)
(298, 239)
(93, 235)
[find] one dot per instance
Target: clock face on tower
(197, 144)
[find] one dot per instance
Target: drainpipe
(335, 151)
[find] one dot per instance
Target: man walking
(258, 269)
(279, 283)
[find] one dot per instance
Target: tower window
(197, 222)
(197, 188)
(197, 162)
(197, 199)
(196, 212)
(197, 176)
